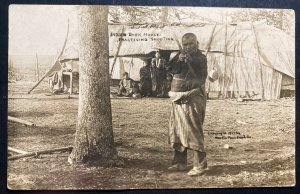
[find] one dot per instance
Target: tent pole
(231, 70)
(248, 81)
(122, 69)
(37, 67)
(210, 39)
(56, 59)
(117, 53)
(206, 52)
(258, 53)
(35, 85)
(242, 64)
(35, 75)
(260, 65)
(233, 83)
(237, 89)
(225, 57)
(232, 65)
(130, 66)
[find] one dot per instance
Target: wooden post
(37, 67)
(18, 151)
(20, 121)
(40, 152)
(117, 53)
(71, 82)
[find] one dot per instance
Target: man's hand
(184, 57)
(187, 96)
(182, 100)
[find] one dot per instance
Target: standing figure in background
(188, 97)
(125, 86)
(161, 73)
(145, 80)
(153, 70)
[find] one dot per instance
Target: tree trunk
(94, 134)
(164, 15)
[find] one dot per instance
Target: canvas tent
(248, 57)
(249, 51)
(131, 65)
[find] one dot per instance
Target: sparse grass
(140, 131)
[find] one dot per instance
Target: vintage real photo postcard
(139, 97)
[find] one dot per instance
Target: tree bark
(164, 15)
(94, 135)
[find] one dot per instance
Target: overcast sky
(38, 29)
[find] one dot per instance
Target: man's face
(189, 44)
(153, 63)
(125, 76)
(157, 54)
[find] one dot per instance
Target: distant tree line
(279, 18)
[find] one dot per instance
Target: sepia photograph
(150, 97)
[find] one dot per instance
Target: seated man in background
(56, 83)
(126, 86)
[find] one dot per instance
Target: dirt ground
(261, 136)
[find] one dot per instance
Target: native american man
(159, 74)
(189, 70)
(126, 86)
